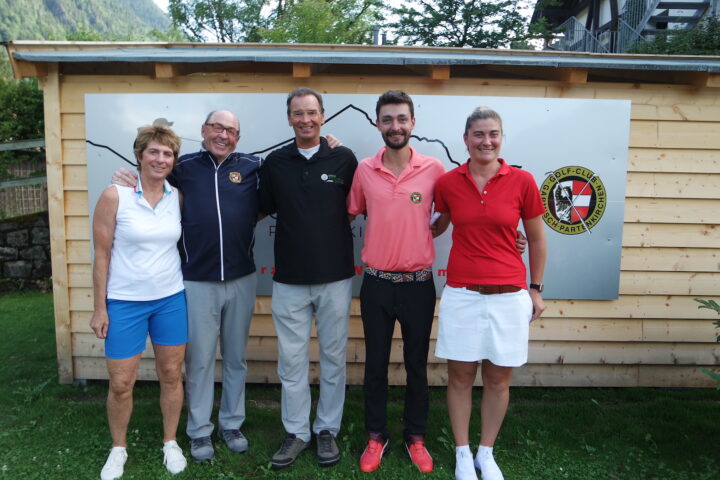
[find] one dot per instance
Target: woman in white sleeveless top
(139, 290)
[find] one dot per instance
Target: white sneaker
(488, 468)
(115, 464)
(174, 459)
(464, 468)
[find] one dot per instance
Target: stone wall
(25, 253)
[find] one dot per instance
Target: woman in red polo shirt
(486, 306)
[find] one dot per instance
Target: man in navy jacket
(219, 213)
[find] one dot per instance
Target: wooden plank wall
(653, 335)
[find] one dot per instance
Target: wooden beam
(302, 70)
(167, 70)
(56, 217)
(703, 79)
(713, 80)
(440, 72)
(572, 75)
(536, 375)
(25, 69)
(560, 74)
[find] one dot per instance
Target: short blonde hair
(156, 133)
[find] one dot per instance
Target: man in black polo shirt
(306, 183)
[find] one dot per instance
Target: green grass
(52, 431)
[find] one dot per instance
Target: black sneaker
(327, 450)
(289, 450)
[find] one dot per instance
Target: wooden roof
(162, 60)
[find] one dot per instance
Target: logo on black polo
(330, 178)
(235, 177)
(574, 198)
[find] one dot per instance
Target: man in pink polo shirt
(395, 189)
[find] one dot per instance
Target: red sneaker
(372, 456)
(419, 455)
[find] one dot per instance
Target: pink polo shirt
(397, 236)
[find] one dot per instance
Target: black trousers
(413, 305)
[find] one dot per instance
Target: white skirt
(474, 327)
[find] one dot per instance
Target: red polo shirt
(397, 236)
(485, 222)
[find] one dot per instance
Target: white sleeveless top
(144, 261)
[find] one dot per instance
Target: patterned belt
(398, 277)
(493, 289)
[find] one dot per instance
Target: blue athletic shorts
(165, 319)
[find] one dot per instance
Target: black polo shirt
(313, 240)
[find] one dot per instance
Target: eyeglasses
(218, 128)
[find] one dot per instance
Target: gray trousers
(293, 307)
(217, 310)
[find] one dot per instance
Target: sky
(162, 4)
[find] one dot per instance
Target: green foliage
(462, 23)
(56, 19)
(22, 105)
(290, 21)
(704, 39)
(325, 21)
(172, 34)
(711, 305)
(219, 20)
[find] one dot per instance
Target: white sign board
(575, 148)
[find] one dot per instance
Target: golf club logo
(574, 198)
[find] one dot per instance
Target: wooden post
(56, 215)
(166, 70)
(302, 70)
(573, 75)
(440, 72)
(28, 69)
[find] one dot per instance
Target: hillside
(54, 19)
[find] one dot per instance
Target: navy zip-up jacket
(219, 213)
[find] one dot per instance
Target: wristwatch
(537, 286)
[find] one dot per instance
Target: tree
(325, 21)
(22, 105)
(306, 21)
(219, 20)
(704, 39)
(462, 23)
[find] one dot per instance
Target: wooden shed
(652, 335)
